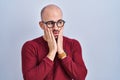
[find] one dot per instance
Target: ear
(41, 25)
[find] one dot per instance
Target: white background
(95, 23)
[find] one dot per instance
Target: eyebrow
(53, 20)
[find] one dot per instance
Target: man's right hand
(49, 37)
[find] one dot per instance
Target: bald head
(50, 15)
(51, 11)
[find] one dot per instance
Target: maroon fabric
(36, 66)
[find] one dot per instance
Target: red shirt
(36, 66)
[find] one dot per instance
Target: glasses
(50, 24)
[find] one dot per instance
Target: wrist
(51, 55)
(61, 51)
(52, 51)
(62, 55)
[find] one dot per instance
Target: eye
(50, 23)
(60, 23)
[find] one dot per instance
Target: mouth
(56, 32)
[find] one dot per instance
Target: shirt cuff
(66, 60)
(47, 60)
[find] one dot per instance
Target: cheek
(51, 29)
(59, 29)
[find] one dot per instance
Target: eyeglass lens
(59, 23)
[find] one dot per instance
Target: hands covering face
(54, 46)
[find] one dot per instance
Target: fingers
(53, 46)
(61, 32)
(51, 41)
(52, 36)
(49, 34)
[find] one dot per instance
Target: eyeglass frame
(54, 23)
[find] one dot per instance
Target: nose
(55, 27)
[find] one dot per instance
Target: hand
(60, 42)
(49, 37)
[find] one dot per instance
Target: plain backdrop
(95, 23)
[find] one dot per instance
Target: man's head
(51, 16)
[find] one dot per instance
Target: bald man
(52, 56)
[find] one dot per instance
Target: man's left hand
(60, 42)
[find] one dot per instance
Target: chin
(56, 36)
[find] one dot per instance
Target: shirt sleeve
(32, 70)
(74, 65)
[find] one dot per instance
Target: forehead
(51, 13)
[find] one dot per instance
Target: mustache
(55, 31)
